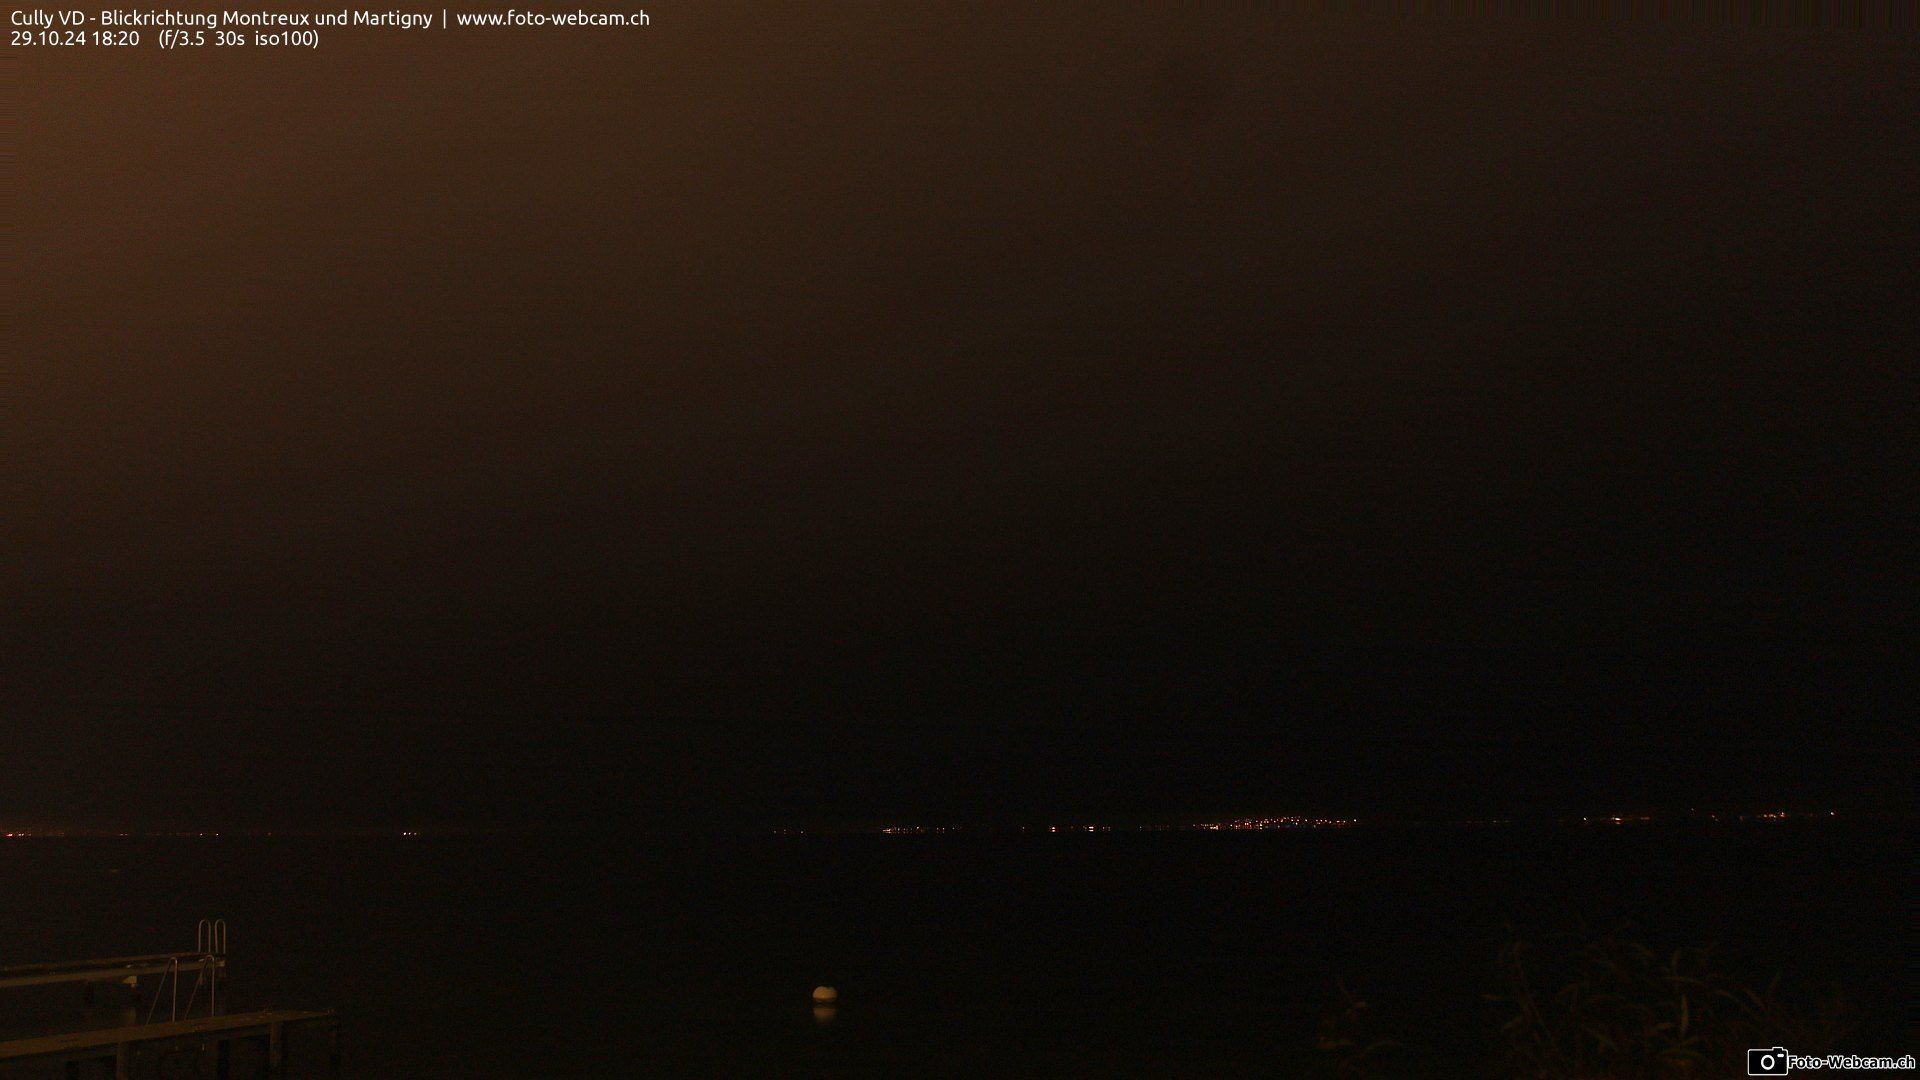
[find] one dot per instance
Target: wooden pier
(113, 1049)
(113, 969)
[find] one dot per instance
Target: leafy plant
(1587, 1006)
(1347, 1040)
(1593, 1007)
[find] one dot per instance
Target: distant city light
(1250, 824)
(1297, 821)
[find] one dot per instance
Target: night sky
(858, 412)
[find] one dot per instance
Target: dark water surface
(1112, 955)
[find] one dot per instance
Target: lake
(1048, 956)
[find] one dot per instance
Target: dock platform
(115, 1046)
(122, 1045)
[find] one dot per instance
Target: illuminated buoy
(825, 995)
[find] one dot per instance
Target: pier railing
(122, 1047)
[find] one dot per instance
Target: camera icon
(1771, 1062)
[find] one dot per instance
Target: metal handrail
(209, 957)
(210, 937)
